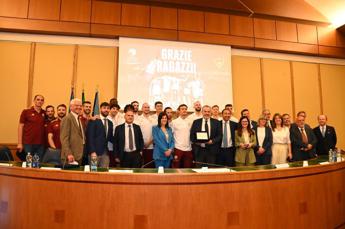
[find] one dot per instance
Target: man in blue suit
(98, 133)
(226, 154)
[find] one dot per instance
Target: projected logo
(174, 78)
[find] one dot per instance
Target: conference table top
(320, 160)
(320, 164)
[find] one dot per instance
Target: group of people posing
(207, 137)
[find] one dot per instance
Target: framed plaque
(202, 136)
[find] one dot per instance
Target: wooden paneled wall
(114, 19)
(285, 86)
(27, 69)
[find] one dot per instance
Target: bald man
(197, 111)
(205, 151)
(146, 122)
(72, 134)
(326, 136)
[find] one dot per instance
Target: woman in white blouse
(281, 148)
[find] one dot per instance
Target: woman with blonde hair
(263, 150)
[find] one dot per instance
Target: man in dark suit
(245, 113)
(206, 151)
(303, 140)
(226, 155)
(128, 141)
(304, 115)
(98, 133)
(326, 136)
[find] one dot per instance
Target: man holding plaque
(206, 135)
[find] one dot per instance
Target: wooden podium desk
(252, 197)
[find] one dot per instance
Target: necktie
(105, 123)
(206, 127)
(81, 130)
(304, 136)
(323, 131)
(130, 133)
(225, 135)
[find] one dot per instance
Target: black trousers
(132, 160)
(204, 155)
(263, 159)
(226, 156)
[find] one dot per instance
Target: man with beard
(99, 133)
(53, 152)
(197, 112)
(50, 116)
(86, 116)
(135, 105)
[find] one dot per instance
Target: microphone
(209, 164)
(64, 163)
(67, 165)
(148, 163)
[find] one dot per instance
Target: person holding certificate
(206, 135)
(245, 141)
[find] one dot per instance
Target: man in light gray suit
(72, 134)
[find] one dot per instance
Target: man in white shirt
(183, 156)
(135, 105)
(115, 115)
(117, 119)
(215, 112)
(159, 109)
(197, 111)
(146, 122)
